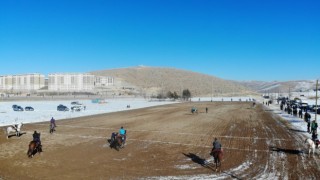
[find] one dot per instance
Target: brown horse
(217, 156)
(33, 149)
(117, 142)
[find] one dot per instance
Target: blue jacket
(122, 132)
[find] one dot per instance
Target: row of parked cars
(76, 107)
(19, 108)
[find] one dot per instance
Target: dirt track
(163, 141)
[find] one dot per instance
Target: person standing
(206, 109)
(300, 113)
(307, 119)
(314, 126)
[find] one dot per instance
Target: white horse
(311, 146)
(14, 128)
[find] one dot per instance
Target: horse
(14, 128)
(194, 110)
(217, 156)
(311, 146)
(52, 128)
(116, 142)
(33, 149)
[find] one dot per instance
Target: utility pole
(316, 101)
(211, 89)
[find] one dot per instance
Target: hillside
(155, 80)
(279, 87)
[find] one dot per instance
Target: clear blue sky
(238, 40)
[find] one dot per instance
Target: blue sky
(239, 40)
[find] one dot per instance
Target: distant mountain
(279, 87)
(155, 80)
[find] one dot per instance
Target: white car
(76, 108)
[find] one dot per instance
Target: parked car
(314, 107)
(62, 108)
(28, 108)
(76, 108)
(75, 103)
(17, 108)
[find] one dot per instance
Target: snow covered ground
(44, 110)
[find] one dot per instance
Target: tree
(186, 94)
(169, 94)
(175, 95)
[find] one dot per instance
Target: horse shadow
(287, 151)
(196, 159)
(199, 160)
(22, 133)
(205, 164)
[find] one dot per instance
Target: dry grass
(154, 80)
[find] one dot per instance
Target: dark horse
(116, 142)
(33, 149)
(217, 156)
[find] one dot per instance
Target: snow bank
(44, 110)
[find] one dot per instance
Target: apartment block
(24, 82)
(102, 81)
(70, 82)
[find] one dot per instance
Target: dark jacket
(216, 145)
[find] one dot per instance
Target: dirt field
(165, 142)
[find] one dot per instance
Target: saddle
(215, 151)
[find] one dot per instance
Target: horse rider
(53, 122)
(36, 138)
(216, 146)
(113, 136)
(123, 134)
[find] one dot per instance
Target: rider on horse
(113, 136)
(123, 134)
(216, 146)
(36, 138)
(53, 122)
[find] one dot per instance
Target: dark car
(75, 103)
(28, 108)
(62, 108)
(17, 108)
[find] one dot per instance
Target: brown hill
(156, 80)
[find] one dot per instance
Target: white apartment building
(70, 82)
(102, 81)
(24, 82)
